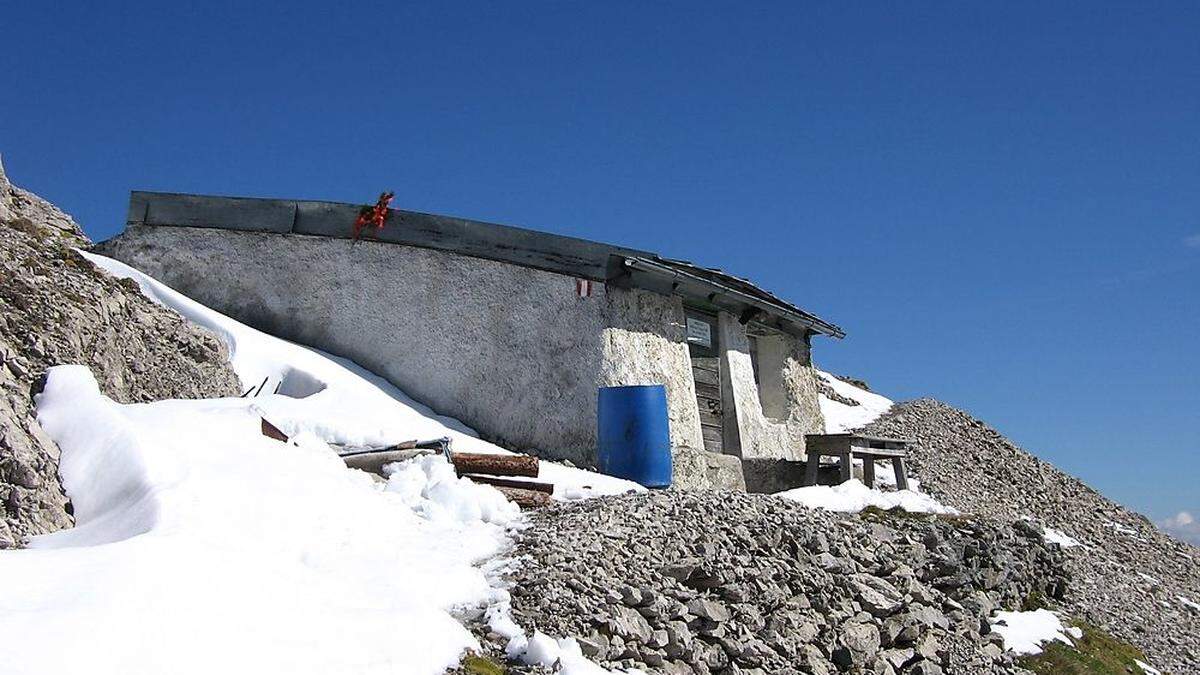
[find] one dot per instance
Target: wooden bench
(857, 446)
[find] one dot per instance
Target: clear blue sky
(1000, 204)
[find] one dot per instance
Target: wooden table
(857, 446)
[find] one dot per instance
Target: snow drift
(202, 547)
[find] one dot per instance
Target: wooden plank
(526, 499)
(826, 444)
(708, 390)
(863, 437)
(878, 452)
(901, 474)
(271, 431)
(518, 484)
(881, 439)
(710, 418)
(846, 466)
(704, 376)
(713, 438)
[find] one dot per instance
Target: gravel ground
(1129, 577)
(724, 582)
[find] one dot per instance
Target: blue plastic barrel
(634, 435)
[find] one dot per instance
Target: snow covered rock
(56, 308)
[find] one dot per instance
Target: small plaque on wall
(699, 332)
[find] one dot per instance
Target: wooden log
(526, 499)
(519, 484)
(495, 465)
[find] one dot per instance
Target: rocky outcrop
(1130, 578)
(56, 308)
(722, 582)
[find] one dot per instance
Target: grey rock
(708, 609)
(861, 638)
(629, 624)
(876, 595)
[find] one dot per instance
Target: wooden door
(706, 371)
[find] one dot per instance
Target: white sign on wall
(699, 332)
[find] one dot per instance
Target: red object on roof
(373, 215)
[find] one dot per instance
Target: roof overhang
(672, 278)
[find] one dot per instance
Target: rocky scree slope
(1130, 578)
(723, 582)
(57, 308)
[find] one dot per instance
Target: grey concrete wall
(787, 375)
(511, 351)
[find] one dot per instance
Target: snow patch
(839, 417)
(1026, 632)
(1059, 537)
(1147, 668)
(1188, 603)
(853, 496)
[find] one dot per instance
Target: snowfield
(202, 546)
